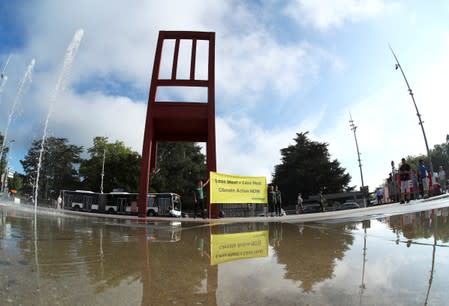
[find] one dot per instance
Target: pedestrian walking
(299, 204)
(379, 195)
(424, 176)
(322, 201)
(442, 179)
(59, 202)
(404, 173)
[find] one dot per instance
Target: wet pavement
(393, 254)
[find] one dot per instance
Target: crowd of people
(402, 186)
(407, 184)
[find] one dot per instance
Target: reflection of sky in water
(393, 271)
(9, 238)
(310, 263)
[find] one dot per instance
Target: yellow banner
(235, 189)
(229, 247)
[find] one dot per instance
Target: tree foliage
(179, 165)
(439, 155)
(121, 167)
(58, 169)
(306, 167)
(16, 182)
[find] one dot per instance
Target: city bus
(159, 204)
(120, 202)
(165, 204)
(80, 200)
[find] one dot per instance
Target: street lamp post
(353, 128)
(393, 181)
(416, 108)
(102, 170)
(5, 176)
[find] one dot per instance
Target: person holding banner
(271, 200)
(198, 196)
(278, 203)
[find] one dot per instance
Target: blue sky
(282, 67)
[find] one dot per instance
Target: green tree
(179, 165)
(439, 155)
(16, 182)
(121, 167)
(306, 167)
(58, 168)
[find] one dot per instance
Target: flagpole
(353, 128)
(416, 108)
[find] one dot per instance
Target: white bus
(165, 204)
(120, 202)
(159, 204)
(80, 200)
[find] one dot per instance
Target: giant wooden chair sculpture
(179, 121)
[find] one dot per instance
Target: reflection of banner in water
(235, 189)
(229, 247)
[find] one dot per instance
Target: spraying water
(3, 77)
(60, 86)
(26, 79)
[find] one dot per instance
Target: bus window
(151, 202)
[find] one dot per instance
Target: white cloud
(118, 42)
(388, 127)
(379, 136)
(431, 96)
(255, 67)
(260, 62)
(245, 148)
(118, 48)
(95, 114)
(324, 14)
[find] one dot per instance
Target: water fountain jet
(3, 77)
(60, 86)
(26, 78)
